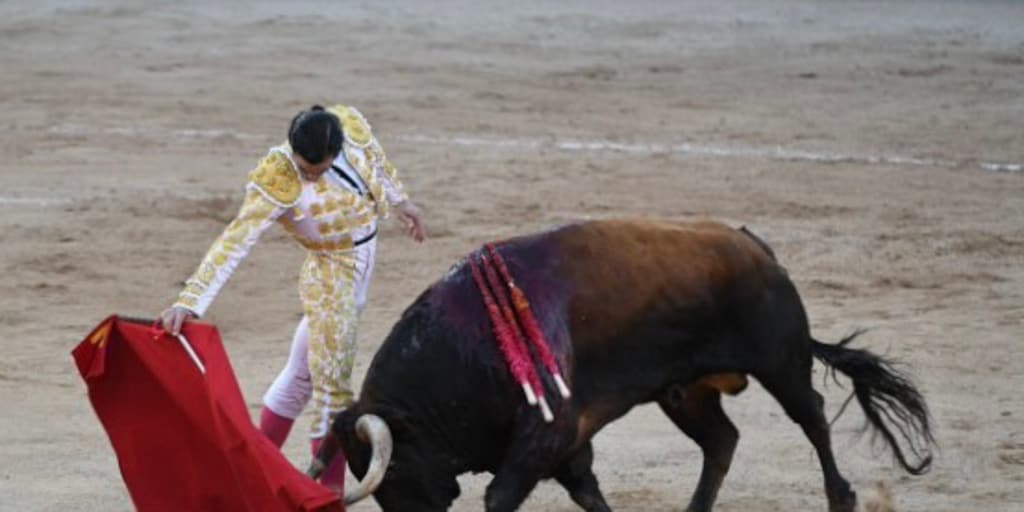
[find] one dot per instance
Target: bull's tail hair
(891, 402)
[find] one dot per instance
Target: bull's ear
(331, 447)
(357, 452)
(344, 424)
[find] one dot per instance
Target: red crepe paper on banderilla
(515, 328)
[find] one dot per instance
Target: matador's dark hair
(315, 134)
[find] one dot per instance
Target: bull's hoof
(848, 503)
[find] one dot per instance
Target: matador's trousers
(333, 288)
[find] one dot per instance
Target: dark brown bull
(635, 312)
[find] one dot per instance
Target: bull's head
(416, 477)
(369, 429)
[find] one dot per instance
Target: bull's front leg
(577, 476)
(510, 486)
(530, 450)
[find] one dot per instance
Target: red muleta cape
(184, 440)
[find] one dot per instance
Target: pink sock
(333, 476)
(275, 426)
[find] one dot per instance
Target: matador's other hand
(412, 217)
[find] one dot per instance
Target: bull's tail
(893, 406)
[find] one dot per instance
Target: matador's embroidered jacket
(324, 216)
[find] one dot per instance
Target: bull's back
(590, 285)
(622, 271)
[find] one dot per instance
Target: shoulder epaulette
(354, 125)
(277, 179)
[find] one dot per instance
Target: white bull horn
(372, 429)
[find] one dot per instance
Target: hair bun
(315, 134)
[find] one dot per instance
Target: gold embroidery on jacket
(277, 178)
(255, 211)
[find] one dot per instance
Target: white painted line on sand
(597, 145)
(139, 131)
(33, 201)
(772, 153)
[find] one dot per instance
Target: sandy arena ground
(876, 145)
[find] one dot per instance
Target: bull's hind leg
(577, 476)
(805, 406)
(697, 411)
